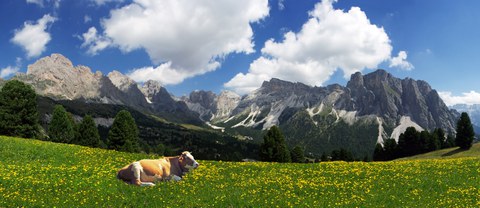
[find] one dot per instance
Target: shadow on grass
(455, 151)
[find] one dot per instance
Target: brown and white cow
(147, 172)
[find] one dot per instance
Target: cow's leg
(137, 170)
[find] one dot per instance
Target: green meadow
(43, 174)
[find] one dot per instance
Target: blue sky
(236, 45)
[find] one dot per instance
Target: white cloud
(331, 39)
(10, 70)
(38, 2)
(94, 42)
(33, 37)
(468, 98)
(401, 61)
(102, 2)
(281, 5)
(7, 71)
(41, 3)
(192, 36)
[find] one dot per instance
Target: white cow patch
(195, 163)
(137, 169)
(147, 184)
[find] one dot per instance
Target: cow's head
(187, 161)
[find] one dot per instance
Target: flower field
(43, 174)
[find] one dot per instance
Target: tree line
(19, 118)
(274, 148)
(413, 142)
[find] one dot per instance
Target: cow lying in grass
(147, 172)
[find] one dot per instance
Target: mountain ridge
(369, 109)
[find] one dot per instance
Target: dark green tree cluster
(339, 155)
(297, 154)
(412, 142)
(63, 129)
(87, 133)
(18, 110)
(342, 155)
(465, 132)
(273, 148)
(123, 134)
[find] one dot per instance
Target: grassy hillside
(36, 173)
(453, 152)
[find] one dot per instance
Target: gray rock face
(383, 95)
(151, 88)
(211, 107)
(55, 76)
(377, 94)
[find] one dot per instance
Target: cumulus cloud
(34, 37)
(401, 61)
(468, 98)
(330, 40)
(94, 42)
(191, 37)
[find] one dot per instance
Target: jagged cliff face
(369, 109)
(381, 94)
(377, 94)
(56, 76)
(211, 107)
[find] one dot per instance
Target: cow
(149, 171)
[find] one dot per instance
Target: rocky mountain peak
(150, 88)
(356, 81)
(56, 76)
(121, 81)
(205, 98)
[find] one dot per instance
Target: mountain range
(368, 110)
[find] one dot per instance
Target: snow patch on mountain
(405, 122)
(381, 131)
(215, 127)
(250, 120)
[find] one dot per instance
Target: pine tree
(379, 153)
(324, 157)
(88, 133)
(273, 148)
(465, 133)
(409, 142)
(297, 154)
(390, 149)
(123, 134)
(18, 110)
(61, 129)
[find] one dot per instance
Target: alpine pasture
(43, 174)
